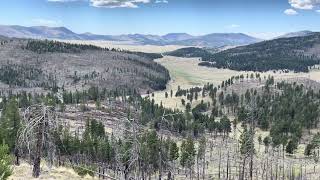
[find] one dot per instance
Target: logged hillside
(296, 53)
(52, 65)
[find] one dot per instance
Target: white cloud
(232, 26)
(46, 22)
(290, 12)
(114, 3)
(318, 11)
(162, 1)
(118, 3)
(304, 4)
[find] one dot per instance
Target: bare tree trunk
(37, 158)
(283, 150)
(228, 166)
(277, 169)
(243, 168)
(160, 156)
(271, 173)
(198, 169)
(220, 163)
(204, 165)
(16, 153)
(251, 166)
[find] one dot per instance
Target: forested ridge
(284, 53)
(54, 65)
(295, 54)
(44, 46)
(189, 52)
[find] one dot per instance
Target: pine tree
(266, 142)
(226, 125)
(174, 151)
(5, 162)
(247, 145)
(291, 146)
(10, 124)
(183, 102)
(188, 153)
(201, 156)
(188, 107)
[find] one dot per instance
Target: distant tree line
(45, 46)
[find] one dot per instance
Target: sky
(260, 18)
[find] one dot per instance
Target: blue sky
(262, 18)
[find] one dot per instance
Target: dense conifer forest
(189, 52)
(285, 53)
(45, 46)
(295, 54)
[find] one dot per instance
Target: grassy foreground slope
(24, 171)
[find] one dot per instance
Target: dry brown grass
(128, 46)
(186, 73)
(24, 171)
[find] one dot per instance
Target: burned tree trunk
(16, 154)
(37, 158)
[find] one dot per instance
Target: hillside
(177, 36)
(219, 39)
(189, 52)
(38, 32)
(210, 40)
(296, 34)
(296, 53)
(196, 51)
(50, 65)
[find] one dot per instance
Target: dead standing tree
(161, 133)
(36, 138)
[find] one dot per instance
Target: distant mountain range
(209, 40)
(297, 34)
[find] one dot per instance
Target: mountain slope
(296, 53)
(38, 32)
(189, 52)
(220, 39)
(210, 40)
(171, 37)
(296, 34)
(29, 64)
